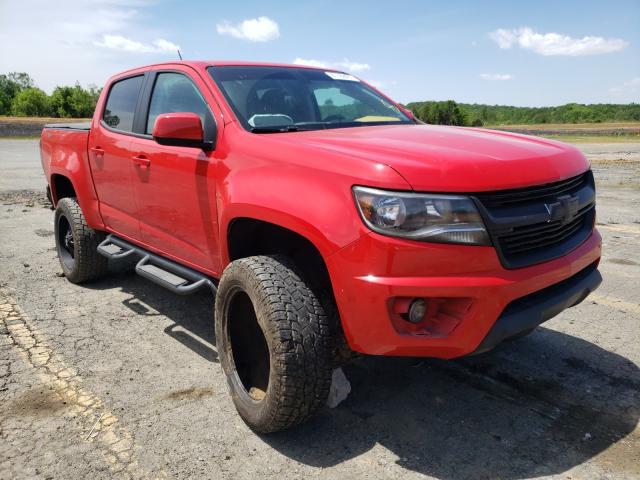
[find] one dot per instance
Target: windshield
(281, 99)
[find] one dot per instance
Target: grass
(37, 120)
(595, 138)
(573, 126)
(611, 132)
(19, 137)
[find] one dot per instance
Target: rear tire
(77, 243)
(274, 342)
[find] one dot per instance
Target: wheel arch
(249, 236)
(61, 187)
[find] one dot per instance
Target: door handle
(141, 161)
(97, 151)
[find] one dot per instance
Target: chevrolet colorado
(324, 218)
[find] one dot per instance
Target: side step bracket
(166, 273)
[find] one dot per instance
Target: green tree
(23, 80)
(442, 113)
(61, 102)
(8, 91)
(74, 101)
(10, 85)
(31, 102)
(451, 114)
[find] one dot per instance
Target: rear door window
(121, 103)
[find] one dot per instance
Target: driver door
(175, 186)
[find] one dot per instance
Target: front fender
(280, 218)
(322, 211)
(303, 189)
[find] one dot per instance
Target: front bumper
(371, 273)
(530, 311)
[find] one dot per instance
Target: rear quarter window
(121, 103)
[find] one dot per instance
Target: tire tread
(88, 263)
(302, 334)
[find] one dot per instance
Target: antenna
(179, 54)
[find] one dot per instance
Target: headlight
(424, 217)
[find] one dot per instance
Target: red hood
(454, 159)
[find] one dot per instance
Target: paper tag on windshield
(342, 76)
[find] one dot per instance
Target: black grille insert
(504, 198)
(535, 224)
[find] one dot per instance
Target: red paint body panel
(112, 168)
(180, 202)
(176, 195)
(184, 125)
(435, 158)
(64, 153)
(369, 272)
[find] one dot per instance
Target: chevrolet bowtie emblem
(564, 209)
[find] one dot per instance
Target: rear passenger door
(110, 157)
(175, 186)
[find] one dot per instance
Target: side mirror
(181, 129)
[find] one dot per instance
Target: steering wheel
(334, 118)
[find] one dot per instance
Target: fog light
(429, 316)
(417, 310)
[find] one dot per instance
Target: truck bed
(64, 155)
(83, 126)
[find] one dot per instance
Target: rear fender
(65, 154)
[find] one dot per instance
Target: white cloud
(555, 43)
(65, 32)
(118, 42)
(309, 62)
(353, 66)
(504, 38)
(630, 87)
(496, 76)
(163, 45)
(345, 64)
(261, 29)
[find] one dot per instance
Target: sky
(538, 53)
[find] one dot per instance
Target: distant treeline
(20, 97)
(452, 113)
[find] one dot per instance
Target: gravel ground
(120, 379)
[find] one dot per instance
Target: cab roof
(202, 64)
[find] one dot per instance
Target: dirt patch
(623, 261)
(38, 402)
(28, 198)
(43, 232)
(192, 393)
(584, 129)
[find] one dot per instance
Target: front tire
(274, 342)
(77, 243)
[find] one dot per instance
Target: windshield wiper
(285, 128)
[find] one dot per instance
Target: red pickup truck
(323, 216)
